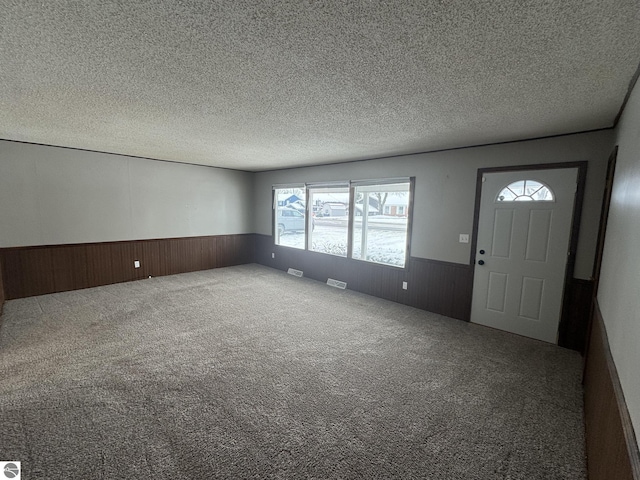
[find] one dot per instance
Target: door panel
(531, 297)
(497, 291)
(538, 236)
(502, 231)
(519, 287)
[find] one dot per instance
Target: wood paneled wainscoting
(436, 286)
(574, 326)
(1, 288)
(612, 448)
(38, 270)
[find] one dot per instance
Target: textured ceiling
(257, 84)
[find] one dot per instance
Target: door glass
(525, 191)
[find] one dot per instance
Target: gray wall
(51, 195)
(618, 292)
(445, 189)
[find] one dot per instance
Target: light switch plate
(464, 238)
(404, 285)
(136, 263)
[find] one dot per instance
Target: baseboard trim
(43, 269)
(612, 447)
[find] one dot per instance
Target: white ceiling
(257, 84)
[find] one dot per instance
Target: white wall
(51, 195)
(446, 184)
(619, 293)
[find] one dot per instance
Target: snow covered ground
(375, 222)
(383, 246)
(386, 242)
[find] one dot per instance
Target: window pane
(380, 223)
(289, 225)
(517, 187)
(330, 223)
(525, 191)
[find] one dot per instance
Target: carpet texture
(246, 372)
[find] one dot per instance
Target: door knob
(481, 262)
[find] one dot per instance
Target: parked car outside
(289, 220)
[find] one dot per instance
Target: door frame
(602, 236)
(575, 222)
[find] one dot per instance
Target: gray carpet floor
(246, 372)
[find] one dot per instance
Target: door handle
(480, 262)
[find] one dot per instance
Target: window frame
(274, 212)
(351, 185)
(309, 207)
(386, 185)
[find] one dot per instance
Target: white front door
(523, 242)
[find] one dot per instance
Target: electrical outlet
(404, 285)
(464, 238)
(136, 264)
(273, 255)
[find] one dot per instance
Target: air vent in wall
(336, 283)
(293, 271)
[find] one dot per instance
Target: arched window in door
(525, 191)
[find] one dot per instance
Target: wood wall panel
(176, 256)
(439, 287)
(573, 329)
(99, 270)
(122, 256)
(155, 265)
(243, 249)
(69, 271)
(446, 287)
(38, 270)
(612, 448)
(2, 296)
(209, 255)
(14, 263)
